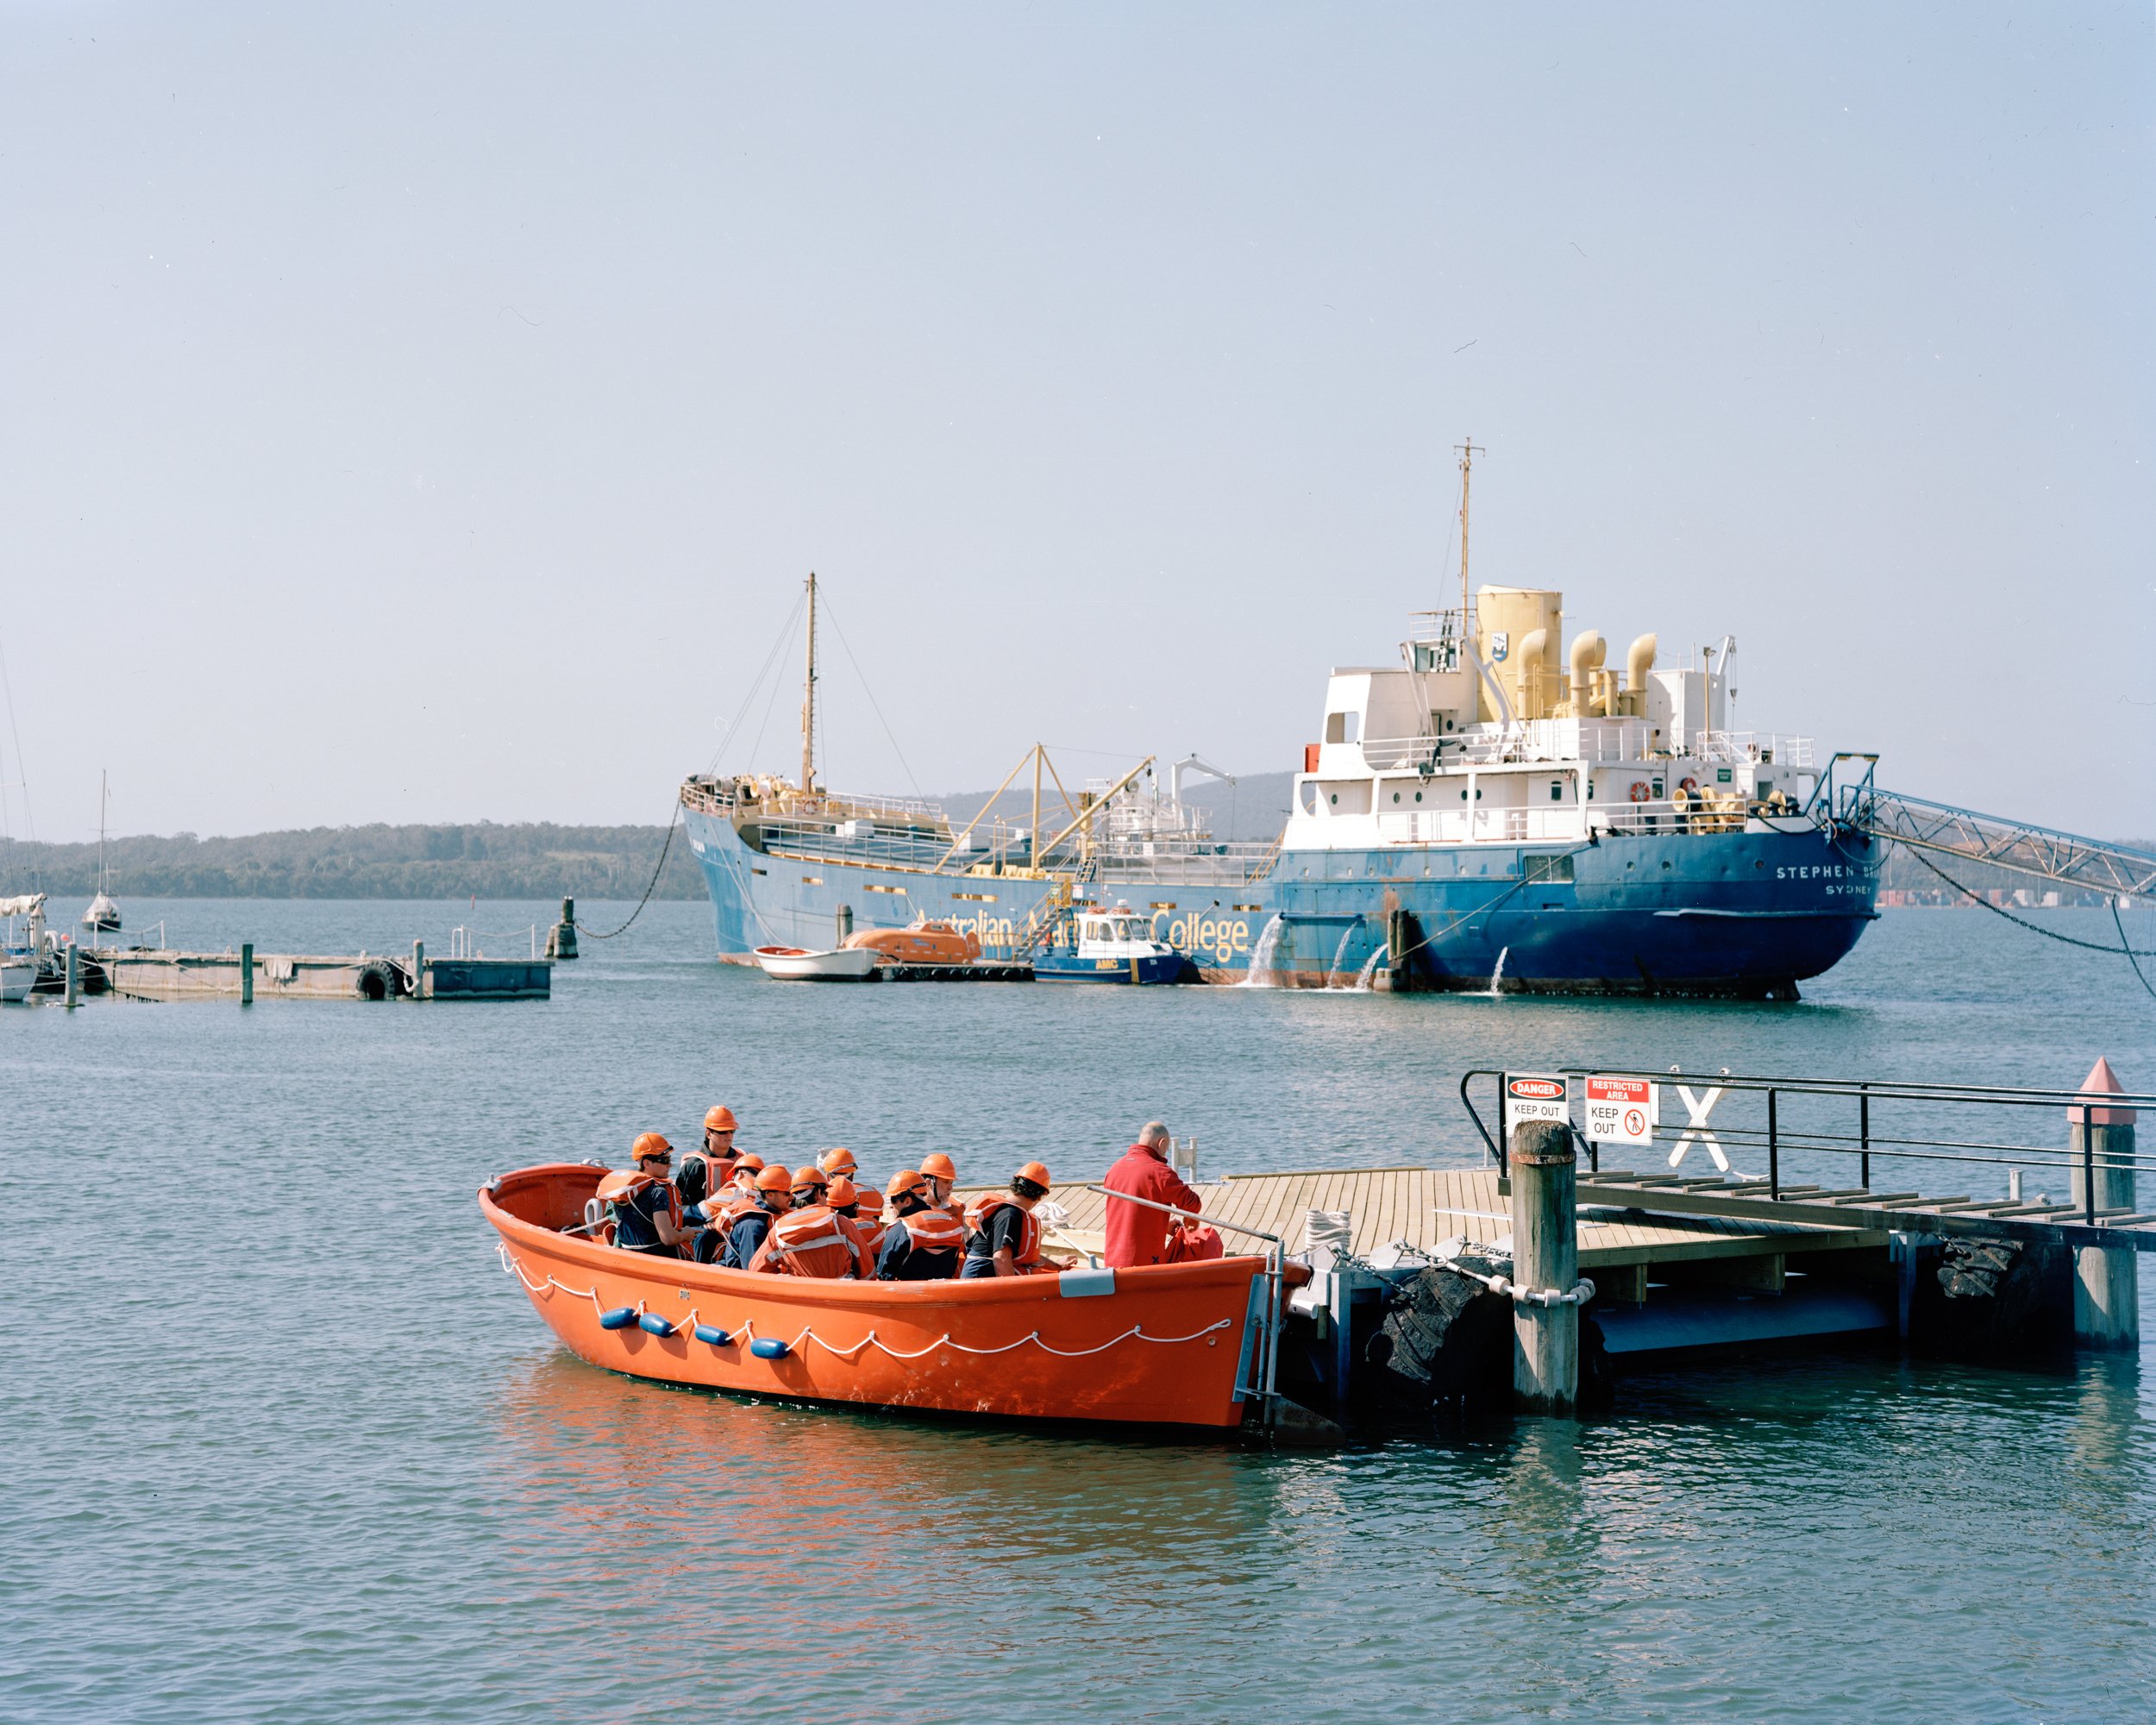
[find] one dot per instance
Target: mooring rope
(2121, 950)
(593, 934)
(748, 1329)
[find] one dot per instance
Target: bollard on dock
(246, 973)
(1545, 1259)
(2100, 1140)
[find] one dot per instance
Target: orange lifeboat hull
(932, 943)
(1168, 1347)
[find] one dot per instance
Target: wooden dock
(1425, 1208)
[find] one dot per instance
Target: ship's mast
(105, 797)
(1467, 451)
(808, 698)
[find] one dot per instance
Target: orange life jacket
(1029, 1247)
(816, 1241)
(616, 1190)
(934, 1230)
(717, 1170)
(868, 1230)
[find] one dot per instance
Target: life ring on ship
(1638, 790)
(1688, 785)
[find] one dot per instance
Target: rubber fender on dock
(619, 1319)
(769, 1348)
(653, 1325)
(711, 1334)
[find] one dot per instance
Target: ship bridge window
(1343, 727)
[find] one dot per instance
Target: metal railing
(1783, 1119)
(1276, 1271)
(1594, 741)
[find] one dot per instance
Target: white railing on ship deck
(1595, 742)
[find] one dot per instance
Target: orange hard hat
(774, 1179)
(650, 1143)
(906, 1180)
(839, 1161)
(749, 1160)
(841, 1193)
(810, 1176)
(721, 1120)
(1036, 1172)
(940, 1165)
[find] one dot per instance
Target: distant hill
(524, 861)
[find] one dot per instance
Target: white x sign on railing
(1697, 1108)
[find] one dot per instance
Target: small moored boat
(1168, 1345)
(796, 964)
(923, 943)
(1107, 946)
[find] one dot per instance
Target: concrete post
(246, 973)
(1545, 1255)
(74, 973)
(2100, 1142)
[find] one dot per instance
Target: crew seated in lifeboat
(811, 1239)
(924, 1242)
(642, 1203)
(848, 1201)
(724, 1206)
(1006, 1235)
(748, 1223)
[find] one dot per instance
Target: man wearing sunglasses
(647, 1209)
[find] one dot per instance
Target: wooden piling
(561, 938)
(246, 973)
(419, 969)
(2100, 1142)
(1545, 1256)
(74, 973)
(844, 920)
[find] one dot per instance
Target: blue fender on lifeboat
(653, 1325)
(769, 1347)
(619, 1319)
(711, 1334)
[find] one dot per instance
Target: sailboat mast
(808, 698)
(105, 796)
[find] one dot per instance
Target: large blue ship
(1488, 813)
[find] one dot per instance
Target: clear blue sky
(427, 412)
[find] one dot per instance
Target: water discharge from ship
(1497, 974)
(1261, 956)
(1369, 967)
(1339, 952)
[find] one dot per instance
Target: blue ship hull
(1747, 914)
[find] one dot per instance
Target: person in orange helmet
(726, 1205)
(706, 1171)
(751, 1226)
(1007, 1240)
(839, 1161)
(847, 1202)
(810, 1238)
(647, 1211)
(923, 1244)
(941, 1173)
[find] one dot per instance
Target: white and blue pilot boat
(1504, 807)
(1114, 945)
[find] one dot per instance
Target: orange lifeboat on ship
(924, 943)
(1166, 1344)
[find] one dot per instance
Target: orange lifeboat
(924, 943)
(1166, 1344)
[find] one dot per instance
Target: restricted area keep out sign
(1622, 1110)
(1534, 1096)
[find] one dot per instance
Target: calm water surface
(282, 1441)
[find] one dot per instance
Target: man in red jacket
(1136, 1234)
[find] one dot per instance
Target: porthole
(1336, 799)
(1417, 796)
(1395, 796)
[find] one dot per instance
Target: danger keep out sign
(1534, 1096)
(1622, 1110)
